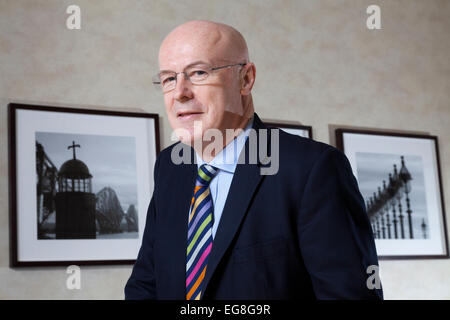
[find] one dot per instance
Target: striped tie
(199, 233)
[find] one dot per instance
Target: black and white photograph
(394, 192)
(399, 179)
(81, 183)
(86, 187)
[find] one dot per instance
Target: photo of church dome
(86, 186)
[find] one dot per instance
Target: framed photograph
(297, 129)
(399, 177)
(80, 184)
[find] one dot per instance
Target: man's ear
(248, 73)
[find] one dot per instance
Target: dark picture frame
(305, 131)
(399, 176)
(34, 142)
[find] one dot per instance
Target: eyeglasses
(167, 80)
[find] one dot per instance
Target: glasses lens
(198, 75)
(168, 80)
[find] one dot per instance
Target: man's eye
(198, 73)
(167, 80)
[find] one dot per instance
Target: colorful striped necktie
(200, 239)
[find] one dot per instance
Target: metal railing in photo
(387, 200)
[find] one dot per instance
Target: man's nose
(183, 88)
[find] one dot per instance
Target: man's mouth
(188, 114)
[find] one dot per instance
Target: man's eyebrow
(195, 63)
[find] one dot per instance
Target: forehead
(177, 58)
(183, 48)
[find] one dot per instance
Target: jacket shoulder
(295, 148)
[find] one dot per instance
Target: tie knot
(205, 174)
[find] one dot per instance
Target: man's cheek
(234, 105)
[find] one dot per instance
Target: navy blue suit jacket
(301, 233)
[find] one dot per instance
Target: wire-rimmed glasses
(167, 80)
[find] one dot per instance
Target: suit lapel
(245, 181)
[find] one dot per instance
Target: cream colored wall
(316, 64)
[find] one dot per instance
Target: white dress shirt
(221, 182)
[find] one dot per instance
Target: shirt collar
(227, 158)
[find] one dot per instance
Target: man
(224, 230)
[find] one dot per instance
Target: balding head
(222, 42)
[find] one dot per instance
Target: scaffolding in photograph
(385, 209)
(46, 187)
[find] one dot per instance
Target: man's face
(214, 105)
